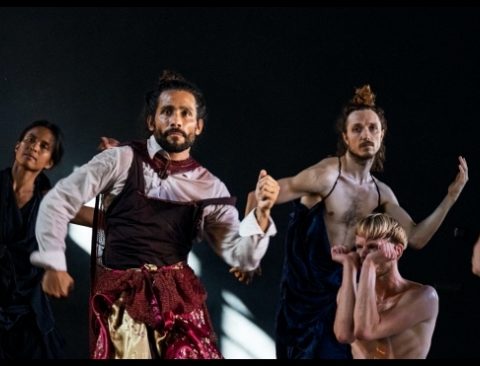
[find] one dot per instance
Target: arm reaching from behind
(476, 258)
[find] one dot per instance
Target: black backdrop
(274, 79)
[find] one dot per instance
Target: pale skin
(384, 315)
(476, 258)
(355, 194)
(176, 109)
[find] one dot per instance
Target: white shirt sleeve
(241, 244)
(106, 171)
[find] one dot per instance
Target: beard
(361, 158)
(172, 145)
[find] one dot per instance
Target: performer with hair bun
(331, 197)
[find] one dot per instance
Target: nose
(175, 120)
(34, 145)
(366, 135)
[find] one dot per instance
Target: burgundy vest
(140, 229)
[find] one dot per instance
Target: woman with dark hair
(26, 321)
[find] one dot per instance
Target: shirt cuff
(249, 226)
(49, 260)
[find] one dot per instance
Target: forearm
(51, 230)
(344, 325)
(263, 218)
(365, 315)
(251, 202)
(421, 233)
(64, 201)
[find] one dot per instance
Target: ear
(398, 250)
(17, 145)
(199, 127)
(345, 138)
(150, 124)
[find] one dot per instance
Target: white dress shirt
(241, 244)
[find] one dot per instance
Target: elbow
(345, 337)
(417, 242)
(344, 333)
(363, 334)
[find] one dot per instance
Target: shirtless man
(385, 315)
(330, 198)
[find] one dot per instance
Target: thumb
(262, 174)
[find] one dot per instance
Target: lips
(30, 157)
(176, 133)
(367, 144)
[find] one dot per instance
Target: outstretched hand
(107, 143)
(57, 283)
(456, 187)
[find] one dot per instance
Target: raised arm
(420, 234)
(314, 180)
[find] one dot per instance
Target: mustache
(175, 130)
(367, 143)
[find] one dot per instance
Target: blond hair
(382, 226)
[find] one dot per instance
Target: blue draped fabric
(309, 286)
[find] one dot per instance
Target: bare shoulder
(325, 167)
(424, 293)
(386, 192)
(324, 173)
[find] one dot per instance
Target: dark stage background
(275, 79)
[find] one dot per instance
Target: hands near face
(57, 283)
(385, 252)
(343, 255)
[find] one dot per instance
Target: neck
(356, 167)
(389, 283)
(178, 156)
(23, 179)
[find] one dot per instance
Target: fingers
(245, 276)
(57, 283)
(262, 174)
(267, 188)
(463, 167)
